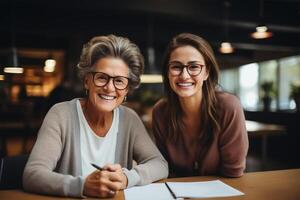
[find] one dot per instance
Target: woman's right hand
(102, 184)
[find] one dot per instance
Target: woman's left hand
(117, 169)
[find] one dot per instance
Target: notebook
(180, 190)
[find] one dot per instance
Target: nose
(184, 74)
(110, 85)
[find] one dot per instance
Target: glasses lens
(100, 79)
(175, 69)
(120, 82)
(194, 69)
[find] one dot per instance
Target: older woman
(198, 129)
(97, 130)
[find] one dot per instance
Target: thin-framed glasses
(102, 79)
(193, 69)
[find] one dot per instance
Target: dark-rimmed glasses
(102, 79)
(193, 69)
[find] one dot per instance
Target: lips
(106, 97)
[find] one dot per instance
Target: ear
(86, 82)
(206, 75)
(126, 92)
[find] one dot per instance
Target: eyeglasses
(193, 69)
(102, 79)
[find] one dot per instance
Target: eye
(176, 67)
(194, 67)
(120, 81)
(101, 77)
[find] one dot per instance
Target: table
(258, 129)
(275, 185)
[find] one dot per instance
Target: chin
(184, 94)
(105, 107)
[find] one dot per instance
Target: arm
(151, 165)
(156, 129)
(39, 175)
(159, 130)
(233, 142)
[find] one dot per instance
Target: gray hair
(116, 47)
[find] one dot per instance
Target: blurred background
(256, 42)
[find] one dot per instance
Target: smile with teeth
(106, 97)
(184, 84)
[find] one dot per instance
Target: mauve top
(227, 154)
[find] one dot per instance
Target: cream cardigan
(54, 165)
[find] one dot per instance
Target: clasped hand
(105, 183)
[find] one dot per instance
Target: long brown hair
(209, 115)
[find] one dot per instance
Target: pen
(172, 193)
(97, 167)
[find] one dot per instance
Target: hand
(118, 169)
(105, 183)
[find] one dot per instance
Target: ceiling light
(14, 70)
(13, 67)
(50, 65)
(226, 48)
(261, 32)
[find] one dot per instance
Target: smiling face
(107, 98)
(185, 85)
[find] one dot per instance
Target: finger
(103, 187)
(92, 176)
(113, 186)
(113, 167)
(111, 175)
(115, 176)
(111, 193)
(96, 175)
(106, 192)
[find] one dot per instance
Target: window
(268, 74)
(289, 72)
(249, 86)
(246, 82)
(229, 81)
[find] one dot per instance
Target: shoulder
(230, 109)
(227, 98)
(63, 108)
(228, 101)
(130, 122)
(228, 105)
(128, 113)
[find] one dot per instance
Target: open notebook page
(203, 189)
(154, 191)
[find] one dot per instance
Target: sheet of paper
(203, 189)
(155, 191)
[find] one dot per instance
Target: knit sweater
(227, 154)
(54, 165)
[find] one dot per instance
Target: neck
(191, 117)
(98, 121)
(191, 107)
